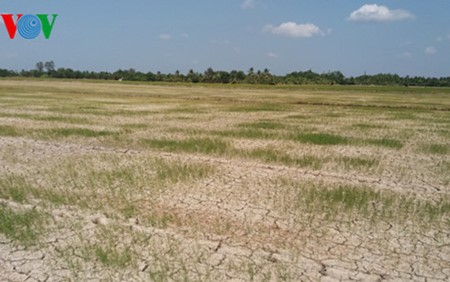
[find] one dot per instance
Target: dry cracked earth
(112, 208)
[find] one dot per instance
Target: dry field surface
(104, 181)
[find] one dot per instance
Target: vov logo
(29, 26)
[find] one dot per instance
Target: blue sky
(408, 37)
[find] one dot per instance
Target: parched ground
(136, 182)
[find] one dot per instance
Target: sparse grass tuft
(175, 172)
(403, 115)
(274, 156)
(357, 163)
(6, 130)
(96, 183)
(75, 120)
(187, 110)
(14, 188)
(83, 132)
(437, 149)
(112, 257)
(258, 108)
(297, 117)
(263, 125)
(342, 200)
(22, 226)
(386, 142)
(321, 139)
(109, 250)
(192, 145)
(368, 126)
(248, 133)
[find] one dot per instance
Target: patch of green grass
(386, 142)
(321, 139)
(247, 133)
(115, 184)
(175, 172)
(22, 226)
(187, 110)
(274, 156)
(14, 188)
(403, 115)
(342, 200)
(356, 162)
(191, 145)
(10, 131)
(109, 249)
(19, 189)
(437, 149)
(112, 257)
(82, 132)
(263, 125)
(333, 115)
(258, 108)
(368, 126)
(130, 126)
(75, 120)
(297, 117)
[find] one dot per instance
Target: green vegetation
(112, 257)
(6, 130)
(14, 188)
(258, 108)
(121, 183)
(357, 163)
(278, 157)
(252, 76)
(438, 149)
(83, 132)
(22, 226)
(321, 139)
(157, 180)
(368, 126)
(181, 172)
(341, 200)
(191, 145)
(248, 133)
(386, 142)
(263, 125)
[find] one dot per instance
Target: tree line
(252, 76)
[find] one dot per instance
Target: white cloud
(165, 37)
(431, 50)
(185, 35)
(248, 4)
(292, 29)
(376, 13)
(273, 55)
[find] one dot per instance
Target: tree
(40, 66)
(193, 76)
(209, 75)
(49, 66)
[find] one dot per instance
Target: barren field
(135, 182)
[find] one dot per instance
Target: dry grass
(182, 171)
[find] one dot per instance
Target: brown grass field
(109, 181)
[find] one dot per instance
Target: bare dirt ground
(120, 201)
